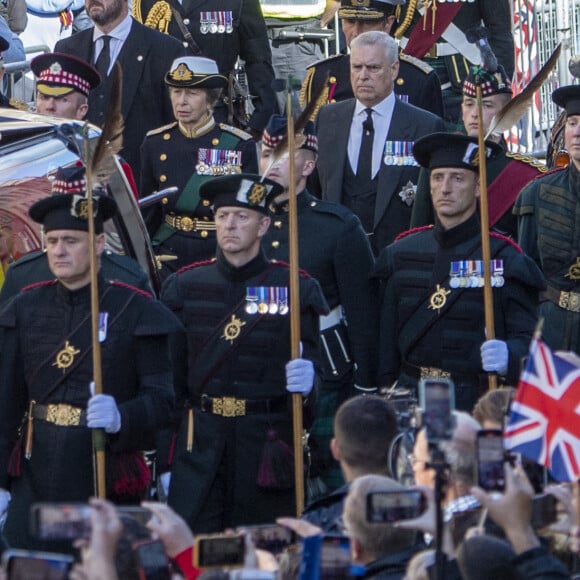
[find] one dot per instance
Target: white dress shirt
(118, 36)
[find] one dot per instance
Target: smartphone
(544, 510)
(335, 558)
(25, 564)
(437, 399)
(385, 507)
(152, 560)
(220, 551)
(271, 537)
(490, 460)
(141, 514)
(60, 521)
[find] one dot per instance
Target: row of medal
(218, 162)
(216, 22)
(267, 300)
(469, 274)
(399, 153)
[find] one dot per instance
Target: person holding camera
(432, 321)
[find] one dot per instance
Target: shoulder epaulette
(196, 265)
(550, 171)
(416, 62)
(161, 129)
(529, 160)
(303, 273)
(29, 257)
(412, 231)
(39, 285)
(120, 284)
(235, 131)
(325, 60)
(506, 239)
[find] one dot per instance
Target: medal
(438, 298)
(66, 356)
(251, 300)
(229, 22)
(204, 22)
(283, 300)
(263, 302)
(273, 306)
(103, 320)
(454, 275)
(497, 279)
(233, 328)
(221, 28)
(213, 23)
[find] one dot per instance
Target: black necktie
(104, 61)
(364, 168)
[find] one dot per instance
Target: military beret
(195, 71)
(367, 9)
(67, 207)
(451, 150)
(240, 190)
(491, 83)
(276, 131)
(568, 98)
(60, 74)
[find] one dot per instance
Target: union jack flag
(544, 422)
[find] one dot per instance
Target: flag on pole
(544, 422)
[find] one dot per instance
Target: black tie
(364, 168)
(104, 61)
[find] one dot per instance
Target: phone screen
(335, 558)
(392, 506)
(60, 521)
(152, 560)
(490, 460)
(219, 551)
(437, 399)
(544, 510)
(273, 538)
(25, 565)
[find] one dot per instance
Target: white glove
(5, 498)
(494, 356)
(299, 376)
(102, 413)
(165, 480)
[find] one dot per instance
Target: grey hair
(377, 37)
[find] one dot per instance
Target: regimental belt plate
(233, 328)
(66, 356)
(438, 298)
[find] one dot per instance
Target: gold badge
(232, 329)
(256, 194)
(66, 356)
(574, 271)
(181, 73)
(438, 298)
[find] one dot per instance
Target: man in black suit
(145, 56)
(379, 184)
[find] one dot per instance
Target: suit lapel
(339, 122)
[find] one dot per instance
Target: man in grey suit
(365, 144)
(145, 55)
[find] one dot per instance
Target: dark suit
(145, 58)
(392, 215)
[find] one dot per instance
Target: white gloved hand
(5, 498)
(299, 376)
(165, 480)
(102, 413)
(494, 356)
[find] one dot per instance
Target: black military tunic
(40, 326)
(417, 83)
(172, 158)
(427, 322)
(334, 249)
(223, 32)
(548, 212)
(230, 367)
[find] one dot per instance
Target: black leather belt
(419, 373)
(60, 414)
(566, 300)
(234, 407)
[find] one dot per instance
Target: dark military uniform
(334, 249)
(547, 211)
(222, 32)
(33, 268)
(417, 83)
(46, 357)
(230, 369)
(430, 327)
(183, 225)
(507, 174)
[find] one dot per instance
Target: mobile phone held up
(271, 537)
(60, 521)
(219, 551)
(387, 507)
(437, 399)
(25, 564)
(152, 560)
(490, 460)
